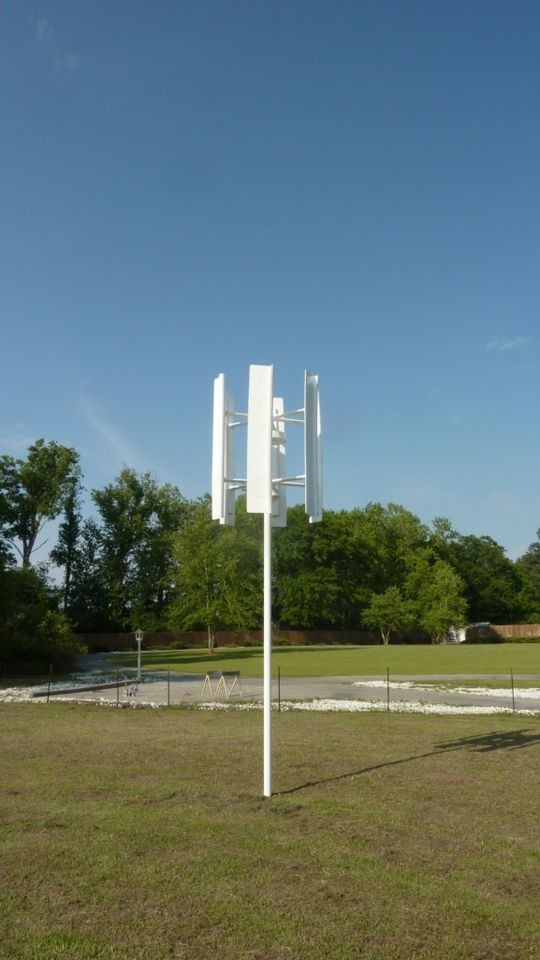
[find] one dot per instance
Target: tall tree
(388, 612)
(65, 551)
(321, 570)
(138, 521)
(327, 573)
(436, 593)
(492, 582)
(89, 607)
(33, 491)
(218, 574)
(528, 566)
(402, 535)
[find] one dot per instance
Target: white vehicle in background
(460, 635)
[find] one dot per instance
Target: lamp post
(139, 636)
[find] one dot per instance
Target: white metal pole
(139, 641)
(267, 739)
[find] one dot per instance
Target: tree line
(150, 557)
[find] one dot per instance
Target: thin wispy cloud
(67, 62)
(116, 451)
(16, 441)
(507, 343)
(116, 443)
(42, 29)
(64, 61)
(502, 500)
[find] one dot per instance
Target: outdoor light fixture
(139, 636)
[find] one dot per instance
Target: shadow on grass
(502, 740)
(220, 653)
(179, 658)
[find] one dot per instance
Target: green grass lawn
(143, 834)
(325, 661)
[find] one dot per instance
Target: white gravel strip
(16, 694)
(19, 694)
(27, 695)
(24, 694)
(524, 693)
(123, 703)
(403, 706)
(365, 706)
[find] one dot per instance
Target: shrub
(33, 633)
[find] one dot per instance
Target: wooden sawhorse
(227, 681)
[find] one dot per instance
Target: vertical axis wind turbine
(265, 483)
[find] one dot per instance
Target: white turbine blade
(259, 439)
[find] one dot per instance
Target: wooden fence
(517, 630)
(105, 642)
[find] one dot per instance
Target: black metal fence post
(388, 689)
(513, 694)
(49, 684)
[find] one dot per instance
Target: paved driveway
(188, 688)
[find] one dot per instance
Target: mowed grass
(326, 661)
(143, 834)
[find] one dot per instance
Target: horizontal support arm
(291, 481)
(290, 413)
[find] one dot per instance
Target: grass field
(323, 661)
(142, 834)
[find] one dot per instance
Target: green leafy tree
(402, 536)
(528, 567)
(326, 573)
(89, 607)
(33, 633)
(218, 574)
(388, 612)
(138, 520)
(33, 491)
(437, 595)
(493, 585)
(65, 552)
(322, 571)
(6, 557)
(530, 561)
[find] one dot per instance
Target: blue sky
(190, 187)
